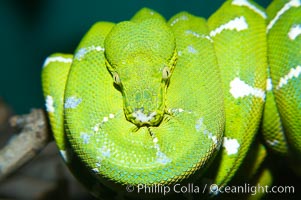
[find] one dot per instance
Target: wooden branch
(34, 136)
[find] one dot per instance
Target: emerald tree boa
(150, 101)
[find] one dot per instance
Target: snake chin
(140, 118)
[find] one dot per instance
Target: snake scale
(150, 101)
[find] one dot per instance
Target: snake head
(141, 57)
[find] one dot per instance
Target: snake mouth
(140, 118)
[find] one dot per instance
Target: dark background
(30, 30)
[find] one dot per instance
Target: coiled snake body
(152, 102)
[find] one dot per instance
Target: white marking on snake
(240, 89)
(250, 6)
(161, 157)
(269, 84)
(214, 139)
(231, 145)
(142, 117)
(49, 103)
(105, 119)
(293, 73)
(273, 143)
(72, 102)
(200, 126)
(191, 49)
(183, 17)
(238, 24)
(95, 170)
(286, 7)
(57, 59)
(105, 151)
(295, 31)
(190, 32)
(177, 110)
(64, 155)
(83, 51)
(96, 128)
(85, 137)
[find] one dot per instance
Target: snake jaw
(139, 118)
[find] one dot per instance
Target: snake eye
(116, 78)
(166, 73)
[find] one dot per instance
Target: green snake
(149, 101)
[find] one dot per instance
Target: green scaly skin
(153, 102)
(282, 133)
